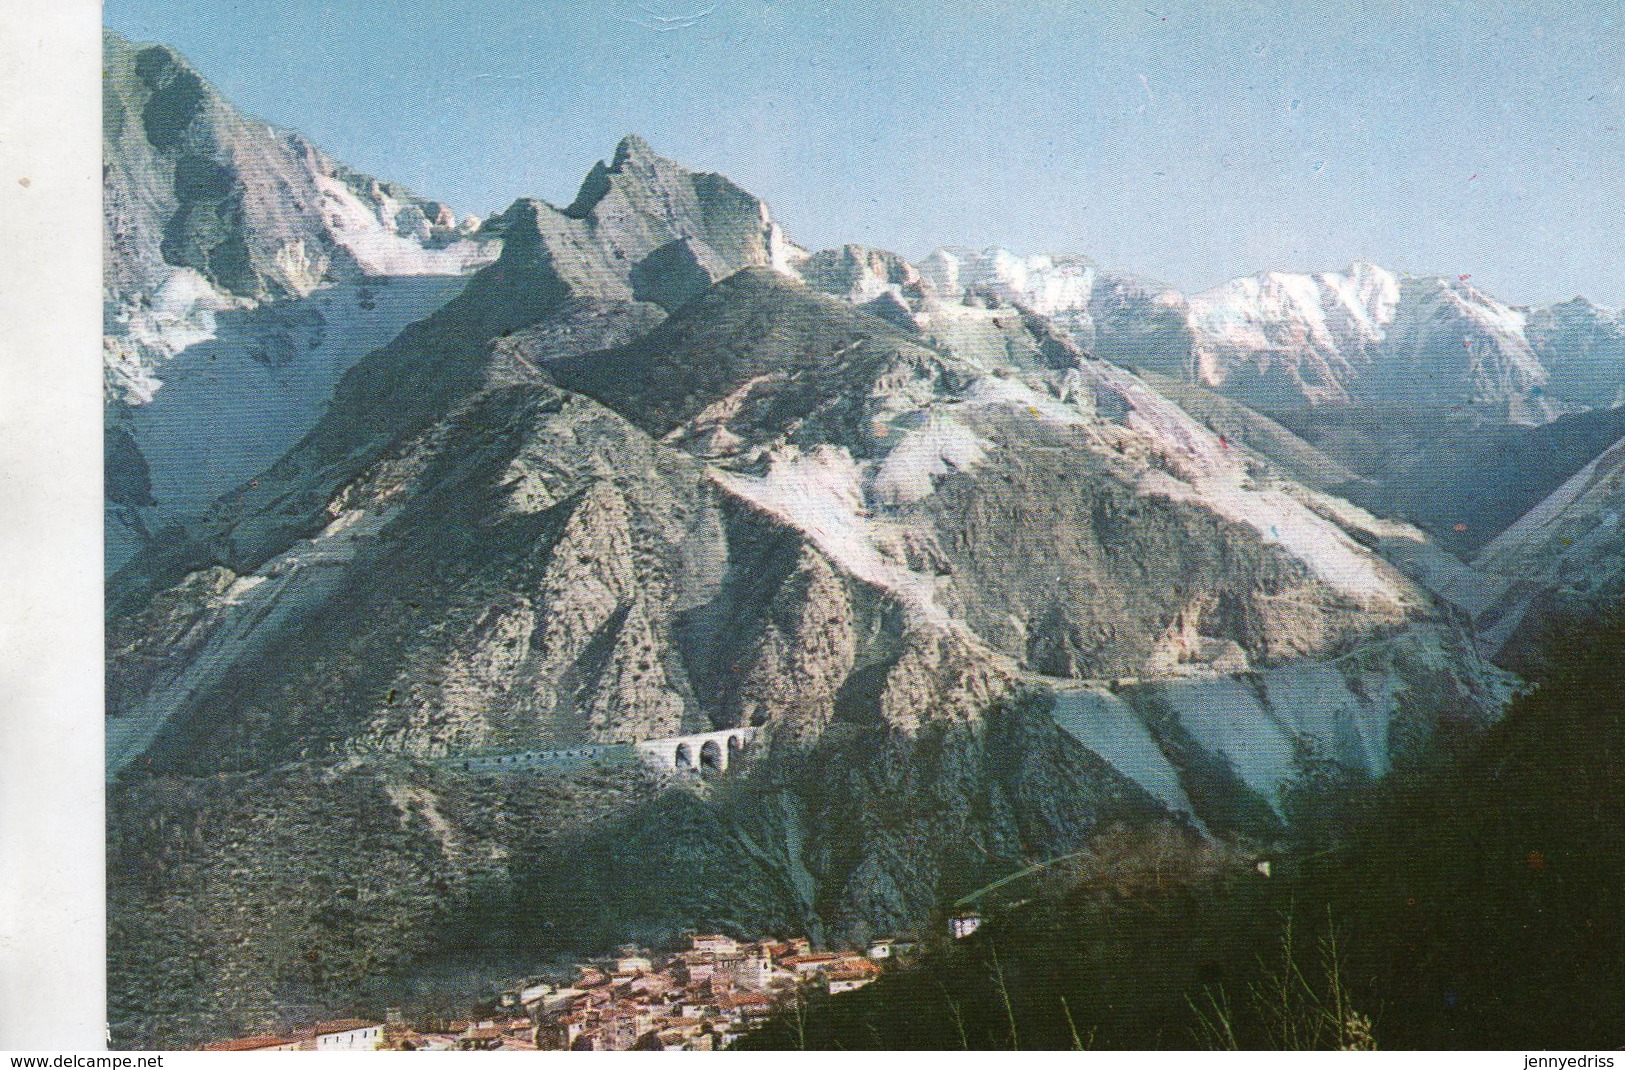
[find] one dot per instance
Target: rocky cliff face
(256, 212)
(656, 471)
(245, 272)
(208, 210)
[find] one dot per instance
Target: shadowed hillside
(1475, 901)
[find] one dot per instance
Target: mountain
(245, 272)
(1366, 335)
(1570, 538)
(1419, 399)
(977, 600)
(979, 592)
(255, 212)
(1279, 341)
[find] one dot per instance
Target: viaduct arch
(702, 751)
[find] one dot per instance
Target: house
(715, 943)
(696, 969)
(805, 966)
(403, 1038)
(696, 1006)
(752, 971)
(682, 1034)
(962, 925)
(562, 1033)
(745, 1006)
(619, 1029)
(435, 1042)
(554, 1002)
(891, 947)
(348, 1034)
(264, 1042)
(779, 949)
(513, 1043)
(850, 974)
(651, 986)
(481, 1038)
(632, 965)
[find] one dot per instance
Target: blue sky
(1191, 143)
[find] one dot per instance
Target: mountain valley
(995, 553)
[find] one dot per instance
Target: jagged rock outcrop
(858, 274)
(755, 357)
(1059, 287)
(642, 229)
(255, 212)
(562, 285)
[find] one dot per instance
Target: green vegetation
(1475, 899)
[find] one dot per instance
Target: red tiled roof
(851, 972)
(247, 1043)
(798, 960)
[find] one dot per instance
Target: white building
(349, 1034)
(715, 943)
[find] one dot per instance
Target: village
(699, 998)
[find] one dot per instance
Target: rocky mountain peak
(633, 149)
(643, 228)
(632, 155)
(260, 213)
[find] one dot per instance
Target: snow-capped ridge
(1280, 340)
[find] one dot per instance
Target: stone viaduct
(707, 750)
(701, 752)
